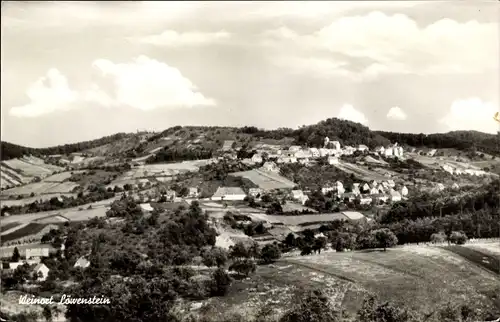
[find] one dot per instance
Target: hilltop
(346, 132)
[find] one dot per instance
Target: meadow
(266, 180)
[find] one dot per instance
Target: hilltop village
(227, 207)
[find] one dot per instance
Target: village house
(304, 161)
(395, 196)
(431, 153)
(255, 192)
(82, 263)
(374, 191)
(336, 145)
(388, 152)
(229, 193)
(381, 197)
(299, 195)
(364, 200)
(349, 150)
(323, 152)
(365, 188)
(339, 187)
(41, 271)
(170, 195)
(193, 192)
(294, 148)
(380, 150)
(440, 186)
(270, 167)
(257, 158)
(333, 160)
(326, 142)
(391, 183)
(327, 188)
(363, 148)
(302, 154)
(455, 186)
(404, 191)
(348, 197)
(37, 252)
(314, 152)
(448, 168)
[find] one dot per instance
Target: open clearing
(266, 180)
(419, 277)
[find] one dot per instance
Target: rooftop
(224, 191)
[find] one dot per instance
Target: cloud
(48, 94)
(97, 95)
(396, 44)
(348, 112)
(175, 39)
(471, 114)
(396, 113)
(148, 84)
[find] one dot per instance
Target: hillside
(210, 137)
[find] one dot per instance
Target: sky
(75, 71)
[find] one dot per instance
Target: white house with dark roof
(42, 271)
(82, 262)
(229, 193)
(365, 188)
(270, 167)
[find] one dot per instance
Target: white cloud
(471, 114)
(174, 39)
(48, 94)
(97, 95)
(396, 113)
(396, 44)
(148, 84)
(348, 112)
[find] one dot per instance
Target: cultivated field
(26, 201)
(31, 166)
(73, 214)
(266, 180)
(360, 172)
(42, 187)
(59, 177)
(419, 277)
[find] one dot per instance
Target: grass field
(266, 180)
(360, 172)
(416, 277)
(479, 257)
(30, 229)
(8, 226)
(73, 214)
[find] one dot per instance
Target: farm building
(229, 193)
(82, 262)
(42, 271)
(299, 196)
